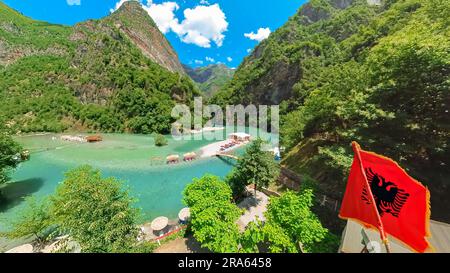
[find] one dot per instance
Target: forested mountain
(118, 73)
(372, 71)
(210, 79)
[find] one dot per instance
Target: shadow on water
(228, 161)
(13, 194)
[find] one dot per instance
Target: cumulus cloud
(198, 61)
(209, 59)
(261, 34)
(163, 15)
(202, 25)
(229, 59)
(73, 2)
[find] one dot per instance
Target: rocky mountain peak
(139, 27)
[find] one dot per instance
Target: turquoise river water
(133, 159)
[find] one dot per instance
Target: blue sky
(201, 31)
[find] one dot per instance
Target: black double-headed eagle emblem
(388, 197)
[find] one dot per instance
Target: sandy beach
(214, 148)
(207, 129)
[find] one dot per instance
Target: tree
(205, 189)
(291, 226)
(34, 220)
(236, 183)
(160, 140)
(9, 150)
(95, 211)
(256, 167)
(251, 238)
(213, 215)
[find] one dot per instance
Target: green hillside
(344, 70)
(92, 76)
(210, 79)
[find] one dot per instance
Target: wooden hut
(92, 139)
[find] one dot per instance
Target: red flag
(381, 195)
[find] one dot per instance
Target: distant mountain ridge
(211, 78)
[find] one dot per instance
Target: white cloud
(209, 59)
(118, 5)
(249, 50)
(163, 15)
(229, 59)
(202, 25)
(261, 34)
(73, 2)
(198, 61)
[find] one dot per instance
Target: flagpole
(356, 149)
(387, 245)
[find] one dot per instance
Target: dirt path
(181, 245)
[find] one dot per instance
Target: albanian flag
(381, 195)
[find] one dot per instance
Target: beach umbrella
(160, 223)
(173, 158)
(27, 248)
(184, 214)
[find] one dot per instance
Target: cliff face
(140, 28)
(269, 74)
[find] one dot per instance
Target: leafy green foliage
(292, 227)
(34, 220)
(87, 77)
(160, 140)
(390, 96)
(255, 167)
(251, 238)
(211, 78)
(213, 215)
(95, 211)
(378, 75)
(9, 149)
(236, 183)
